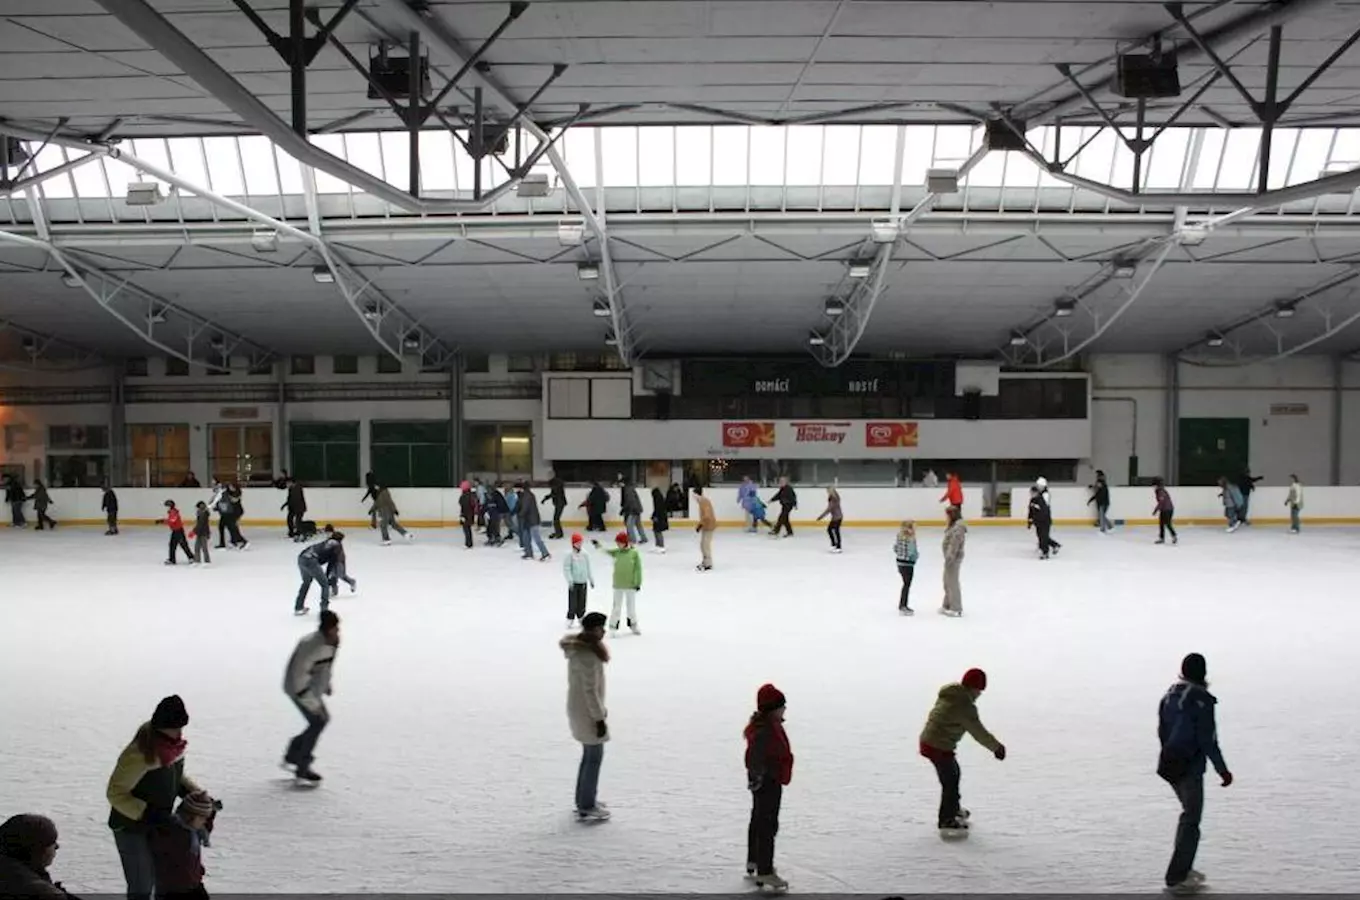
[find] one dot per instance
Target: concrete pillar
(457, 436)
(1173, 420)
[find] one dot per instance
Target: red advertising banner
(748, 434)
(878, 435)
(820, 432)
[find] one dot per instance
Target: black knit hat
(170, 713)
(24, 837)
(594, 620)
(1194, 668)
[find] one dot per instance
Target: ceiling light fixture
(601, 309)
(411, 341)
(534, 184)
(587, 271)
(816, 340)
(1284, 310)
(861, 269)
(29, 344)
(157, 314)
(1213, 339)
(144, 193)
(323, 275)
(570, 234)
(70, 280)
(371, 312)
(217, 342)
(265, 240)
(884, 231)
(610, 339)
(1018, 339)
(1064, 307)
(835, 307)
(942, 181)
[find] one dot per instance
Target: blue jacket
(755, 506)
(1185, 726)
(746, 490)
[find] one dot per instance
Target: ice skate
(905, 611)
(1160, 541)
(633, 627)
(596, 813)
(571, 624)
(1186, 888)
(410, 538)
(660, 550)
(305, 775)
(386, 544)
(955, 829)
(1197, 877)
(750, 871)
(545, 557)
(303, 611)
(772, 882)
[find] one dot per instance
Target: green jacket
(137, 785)
(627, 568)
(955, 712)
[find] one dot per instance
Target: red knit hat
(621, 539)
(577, 539)
(769, 697)
(975, 680)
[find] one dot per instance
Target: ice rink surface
(449, 766)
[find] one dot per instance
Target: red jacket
(953, 492)
(768, 755)
(175, 853)
(173, 520)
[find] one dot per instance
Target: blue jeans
(634, 525)
(139, 869)
(1103, 517)
(1190, 791)
(1242, 510)
(1294, 515)
(301, 748)
(588, 776)
(531, 536)
(311, 571)
(1230, 513)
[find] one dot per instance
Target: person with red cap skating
(954, 713)
(576, 569)
(627, 580)
(769, 768)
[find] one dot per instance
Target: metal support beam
(144, 21)
(47, 353)
(1338, 412)
(1173, 419)
(1269, 109)
(24, 184)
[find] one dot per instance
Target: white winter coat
(585, 690)
(1295, 496)
(309, 668)
(576, 568)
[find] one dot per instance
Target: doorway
(1212, 448)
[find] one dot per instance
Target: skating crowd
(162, 820)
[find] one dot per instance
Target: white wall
(1199, 505)
(1278, 445)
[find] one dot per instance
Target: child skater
(769, 768)
(757, 510)
(110, 507)
(202, 533)
(177, 849)
(175, 523)
(627, 581)
(954, 713)
(1041, 520)
(1232, 503)
(907, 554)
(833, 527)
(337, 570)
(576, 569)
(1166, 512)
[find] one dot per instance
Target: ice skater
(833, 527)
(177, 849)
(630, 507)
(41, 501)
(576, 570)
(1295, 504)
(1189, 739)
(531, 525)
(496, 512)
(787, 499)
(586, 711)
(661, 521)
(954, 713)
(953, 491)
(627, 581)
(28, 847)
(14, 496)
(312, 564)
(955, 536)
(769, 769)
(337, 570)
(1246, 485)
(1041, 520)
(557, 493)
(202, 533)
(307, 682)
(907, 553)
(595, 504)
(467, 512)
(708, 523)
(755, 513)
(746, 492)
(109, 504)
(387, 516)
(295, 504)
(1100, 496)
(175, 523)
(1165, 510)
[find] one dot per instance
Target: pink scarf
(168, 751)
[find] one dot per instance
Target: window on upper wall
(476, 363)
(303, 365)
(78, 437)
(344, 365)
(325, 454)
(265, 367)
(389, 365)
(158, 455)
(135, 366)
(521, 362)
(175, 366)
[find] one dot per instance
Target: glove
(601, 729)
(698, 528)
(1000, 751)
(1227, 779)
(754, 782)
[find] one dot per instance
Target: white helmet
(1041, 483)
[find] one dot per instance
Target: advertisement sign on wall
(878, 435)
(743, 435)
(820, 432)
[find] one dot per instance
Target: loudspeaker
(394, 74)
(1001, 136)
(1140, 76)
(663, 405)
(972, 405)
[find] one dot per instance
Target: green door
(1210, 448)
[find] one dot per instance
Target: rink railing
(880, 507)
